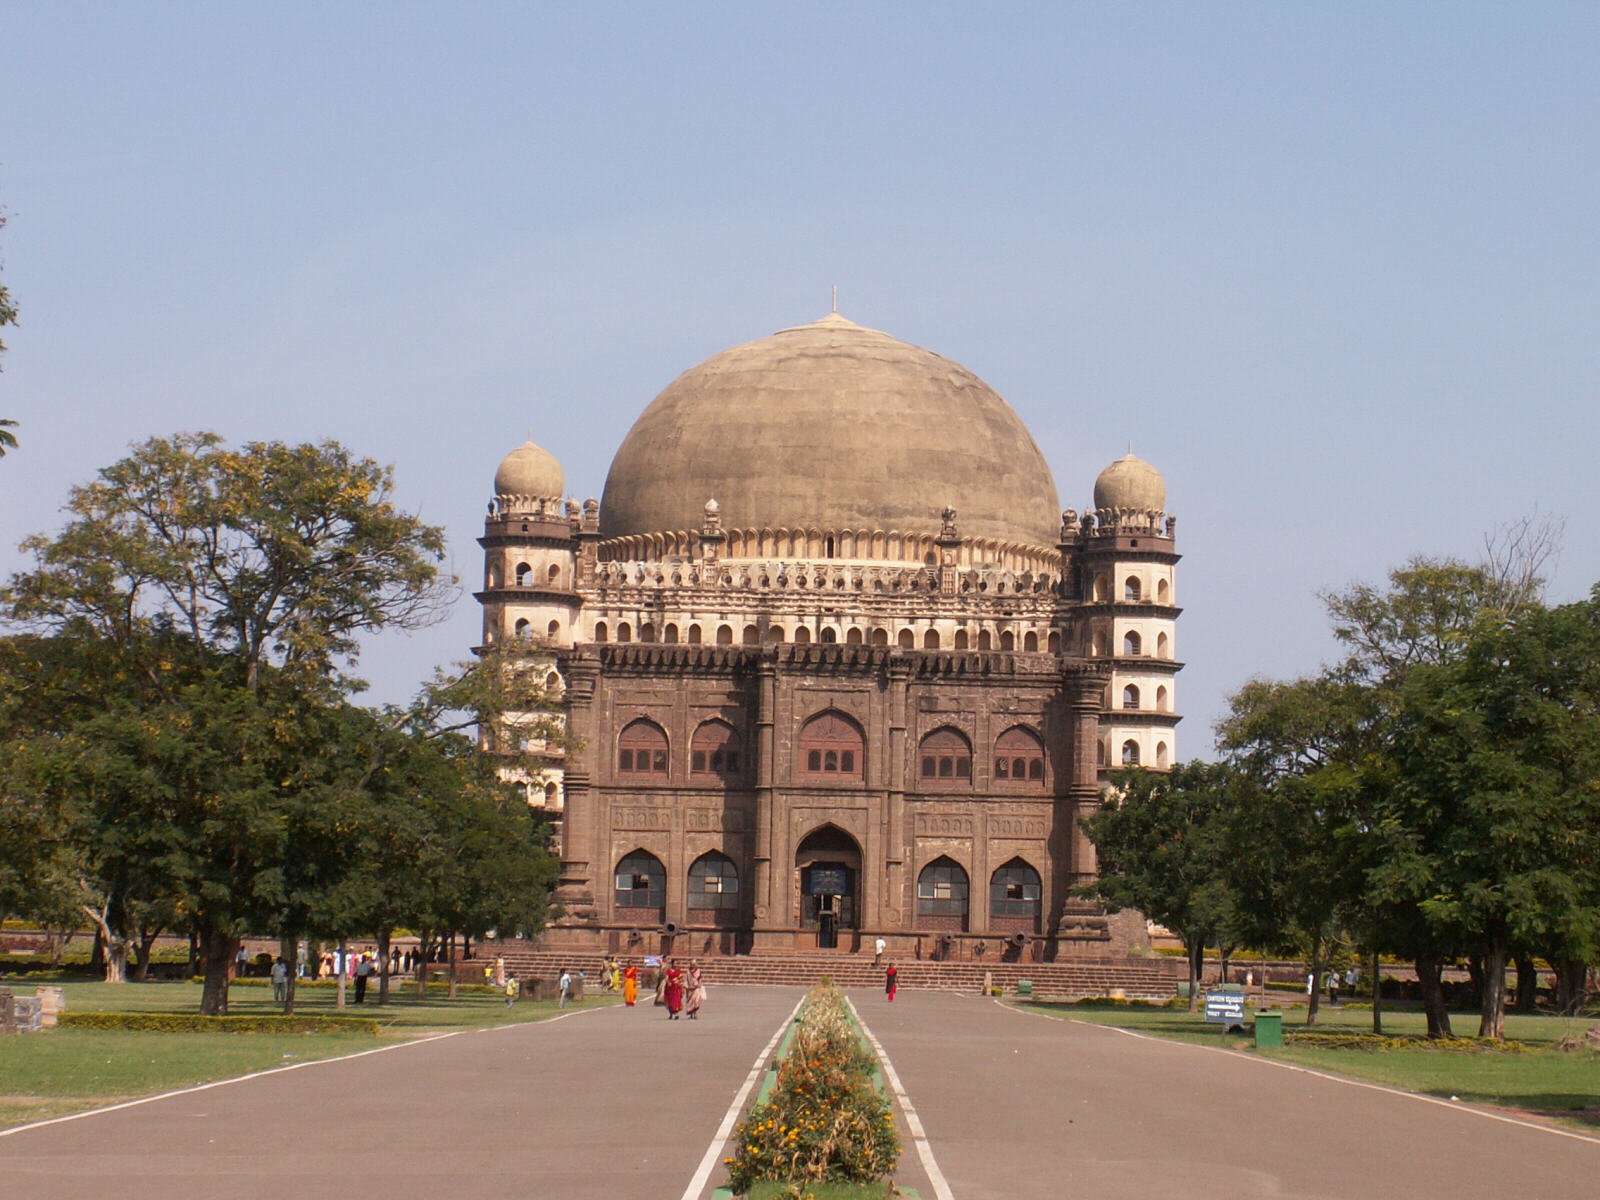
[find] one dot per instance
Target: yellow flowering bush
(824, 1120)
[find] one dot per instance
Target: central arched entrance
(829, 864)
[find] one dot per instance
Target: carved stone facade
(812, 729)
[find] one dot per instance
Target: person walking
(511, 988)
(566, 986)
(630, 985)
(694, 991)
(890, 981)
(363, 973)
(878, 947)
(280, 979)
(673, 995)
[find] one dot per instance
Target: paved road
(1019, 1106)
(613, 1102)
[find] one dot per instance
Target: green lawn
(65, 1070)
(1540, 1078)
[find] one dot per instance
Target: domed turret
(1131, 483)
(530, 471)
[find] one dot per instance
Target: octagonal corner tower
(831, 427)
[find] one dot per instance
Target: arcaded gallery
(835, 663)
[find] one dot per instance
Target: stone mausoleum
(836, 664)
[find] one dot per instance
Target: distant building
(837, 664)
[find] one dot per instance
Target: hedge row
(195, 1023)
(1373, 1041)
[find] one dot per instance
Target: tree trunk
(1377, 996)
(1316, 978)
(289, 951)
(1194, 952)
(194, 953)
(383, 965)
(452, 964)
(1475, 976)
(1527, 983)
(1429, 974)
(1492, 1018)
(115, 957)
(1571, 990)
(141, 951)
(216, 953)
(424, 941)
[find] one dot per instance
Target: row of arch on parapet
(876, 545)
(819, 576)
(1133, 645)
(1133, 590)
(639, 884)
(1130, 755)
(831, 745)
(907, 638)
(1133, 697)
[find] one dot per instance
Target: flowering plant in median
(824, 1119)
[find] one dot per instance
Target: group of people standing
(680, 990)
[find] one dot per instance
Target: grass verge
(66, 1069)
(1531, 1075)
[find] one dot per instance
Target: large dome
(831, 426)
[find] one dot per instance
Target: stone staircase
(1137, 979)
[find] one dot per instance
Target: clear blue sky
(1334, 269)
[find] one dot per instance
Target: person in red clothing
(890, 982)
(674, 990)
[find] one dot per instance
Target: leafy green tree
(8, 316)
(232, 586)
(1158, 839)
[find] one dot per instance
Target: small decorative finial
(1130, 446)
(836, 299)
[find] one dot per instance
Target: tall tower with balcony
(1125, 563)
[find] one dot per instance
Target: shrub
(824, 1121)
(195, 1023)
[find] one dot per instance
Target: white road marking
(713, 1153)
(1453, 1105)
(314, 1062)
(919, 1137)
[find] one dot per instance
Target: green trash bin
(1024, 987)
(1269, 1029)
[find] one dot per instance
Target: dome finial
(836, 298)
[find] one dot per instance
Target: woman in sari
(630, 985)
(694, 991)
(674, 990)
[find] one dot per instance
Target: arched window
(642, 750)
(716, 750)
(1130, 697)
(599, 631)
(1130, 644)
(624, 632)
(1100, 754)
(880, 637)
(1018, 757)
(1131, 589)
(647, 631)
(830, 635)
(1015, 891)
(551, 795)
(1055, 643)
(1102, 644)
(832, 747)
(1102, 588)
(1163, 648)
(852, 636)
(641, 882)
(942, 895)
(946, 757)
(1130, 753)
(752, 636)
(724, 635)
(1030, 641)
(930, 640)
(985, 642)
(714, 885)
(774, 634)
(961, 639)
(694, 635)
(524, 628)
(554, 628)
(1161, 755)
(1008, 640)
(907, 640)
(554, 573)
(524, 574)
(1161, 699)
(670, 633)
(1163, 592)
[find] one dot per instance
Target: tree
(230, 586)
(1158, 841)
(8, 316)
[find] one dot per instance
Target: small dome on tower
(1130, 482)
(530, 471)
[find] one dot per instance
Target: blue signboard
(1225, 1007)
(829, 881)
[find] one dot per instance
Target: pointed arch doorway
(828, 861)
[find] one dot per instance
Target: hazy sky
(1334, 269)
